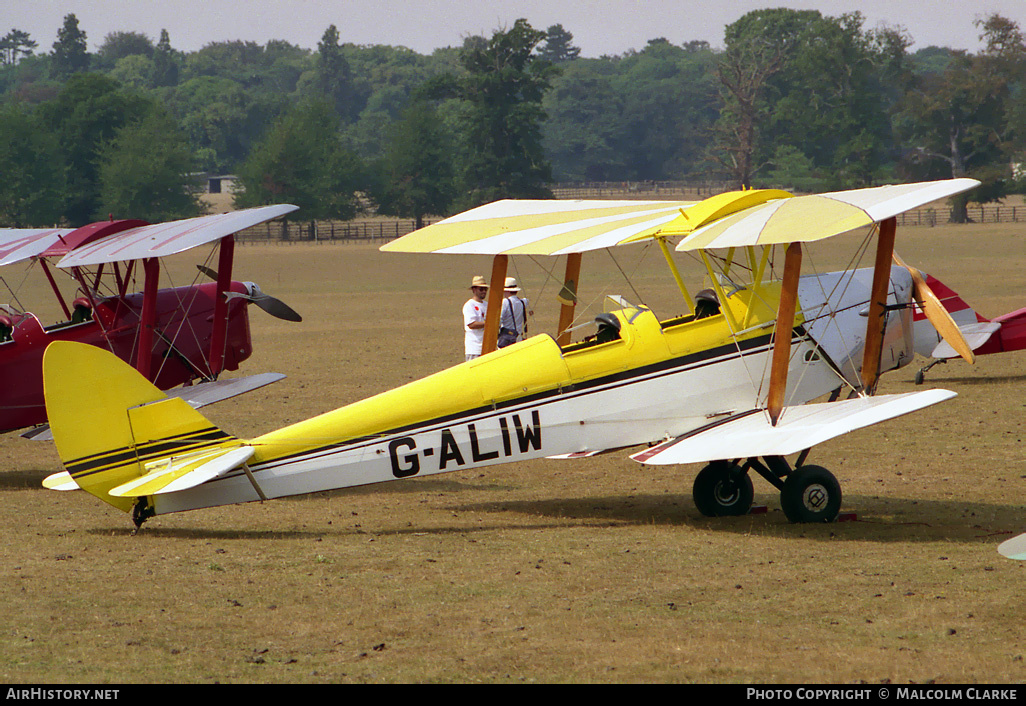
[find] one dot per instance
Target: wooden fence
(364, 230)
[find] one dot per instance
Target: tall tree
(70, 52)
(807, 90)
(958, 121)
(558, 47)
(832, 98)
(32, 187)
(145, 172)
(85, 115)
(166, 62)
(757, 47)
(302, 161)
(334, 77)
(15, 44)
(584, 132)
(416, 175)
(118, 45)
(667, 105)
(501, 93)
(221, 118)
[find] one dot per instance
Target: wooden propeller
(273, 306)
(936, 313)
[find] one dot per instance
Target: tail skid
(120, 438)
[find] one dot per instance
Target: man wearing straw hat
(513, 320)
(474, 318)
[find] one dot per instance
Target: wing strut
(676, 274)
(225, 257)
(782, 332)
(56, 290)
(496, 292)
(877, 302)
(144, 355)
(568, 297)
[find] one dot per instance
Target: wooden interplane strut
(782, 332)
(877, 305)
(568, 297)
(496, 292)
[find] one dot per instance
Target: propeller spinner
(254, 295)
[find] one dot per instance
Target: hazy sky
(599, 26)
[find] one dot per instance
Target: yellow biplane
(735, 389)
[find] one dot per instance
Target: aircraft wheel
(723, 489)
(811, 494)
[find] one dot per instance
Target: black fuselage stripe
(206, 430)
(154, 449)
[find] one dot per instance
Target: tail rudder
(111, 426)
(956, 306)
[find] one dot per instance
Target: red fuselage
(183, 328)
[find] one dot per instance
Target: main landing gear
(807, 493)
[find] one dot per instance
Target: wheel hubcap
(726, 493)
(815, 497)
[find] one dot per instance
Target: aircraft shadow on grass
(225, 535)
(989, 381)
(21, 480)
(879, 519)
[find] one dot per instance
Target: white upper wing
(161, 239)
(18, 244)
(818, 216)
(541, 227)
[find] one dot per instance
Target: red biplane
(172, 336)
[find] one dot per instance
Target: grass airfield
(598, 570)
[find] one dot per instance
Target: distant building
(221, 183)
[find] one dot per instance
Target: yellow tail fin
(108, 421)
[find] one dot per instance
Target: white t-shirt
(473, 339)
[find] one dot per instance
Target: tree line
(793, 99)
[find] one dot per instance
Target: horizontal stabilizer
(195, 395)
(60, 481)
(1014, 548)
(975, 335)
(40, 432)
(210, 392)
(174, 473)
(750, 434)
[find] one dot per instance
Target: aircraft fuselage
(535, 399)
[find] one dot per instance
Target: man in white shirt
(513, 319)
(474, 312)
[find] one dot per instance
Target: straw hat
(479, 281)
(511, 285)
